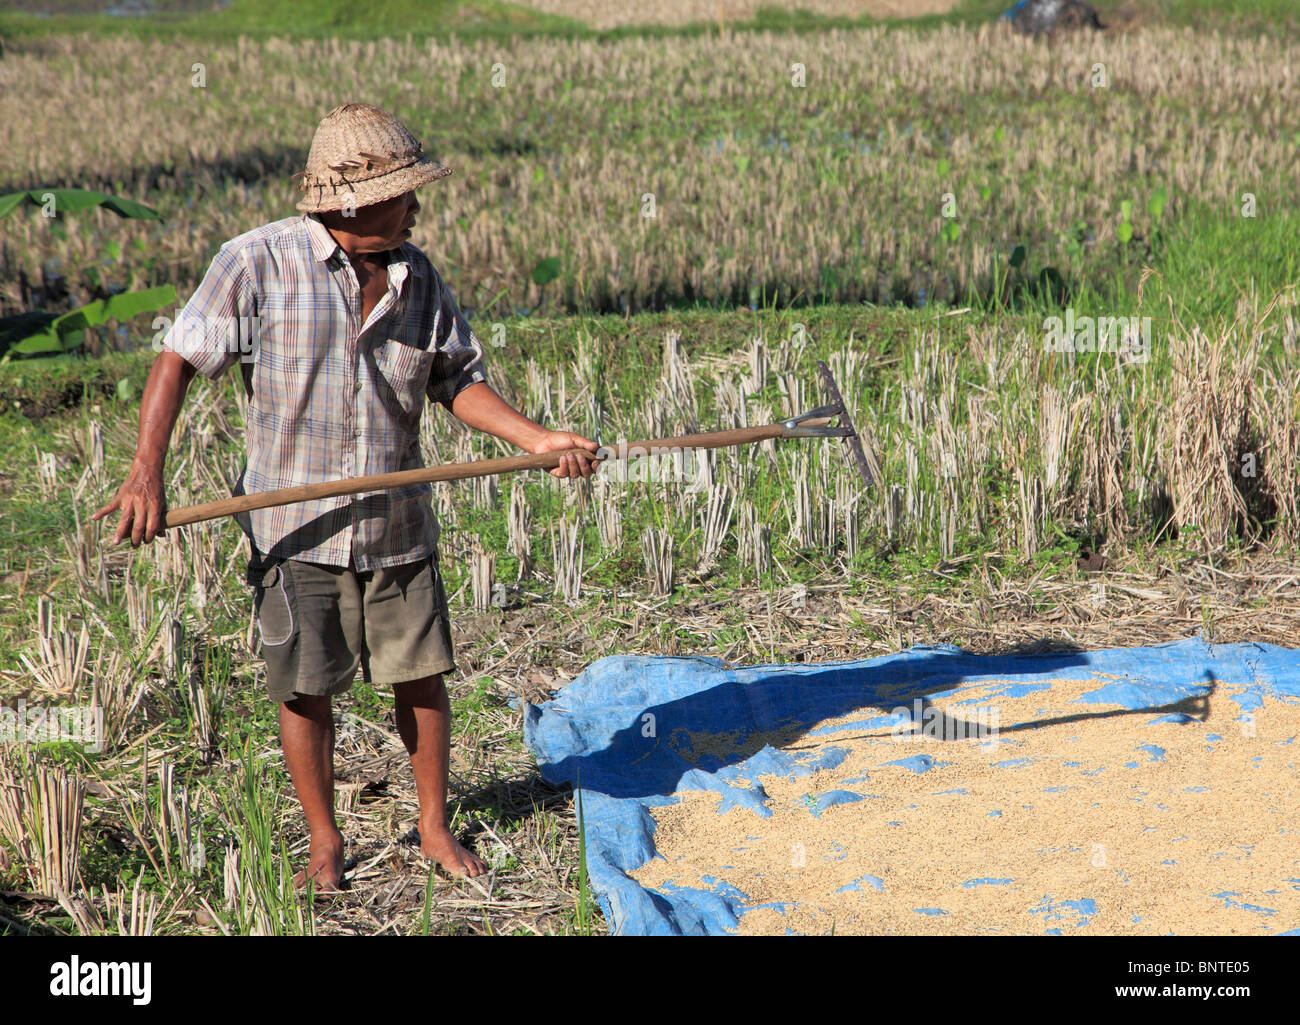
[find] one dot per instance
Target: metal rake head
(812, 424)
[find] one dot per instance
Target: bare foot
(324, 864)
(437, 843)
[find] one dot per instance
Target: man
(355, 330)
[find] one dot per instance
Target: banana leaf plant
(42, 333)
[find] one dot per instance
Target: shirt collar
(325, 246)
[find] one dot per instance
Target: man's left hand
(571, 465)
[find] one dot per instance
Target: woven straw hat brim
(323, 196)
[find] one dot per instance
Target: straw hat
(362, 155)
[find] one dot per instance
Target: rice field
(787, 218)
(867, 165)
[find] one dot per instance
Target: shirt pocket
(400, 376)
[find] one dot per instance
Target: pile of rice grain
(1073, 818)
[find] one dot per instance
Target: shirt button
(358, 386)
(357, 433)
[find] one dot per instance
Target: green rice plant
(260, 896)
(584, 914)
(428, 904)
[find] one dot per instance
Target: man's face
(382, 226)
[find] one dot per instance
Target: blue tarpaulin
(622, 733)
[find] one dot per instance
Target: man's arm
(458, 382)
(141, 497)
(197, 343)
(482, 408)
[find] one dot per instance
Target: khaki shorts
(318, 624)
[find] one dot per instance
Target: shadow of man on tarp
(653, 745)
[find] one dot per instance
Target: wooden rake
(813, 424)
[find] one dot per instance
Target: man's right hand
(141, 498)
(143, 503)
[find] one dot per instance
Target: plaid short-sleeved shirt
(328, 396)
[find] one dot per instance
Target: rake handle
(458, 471)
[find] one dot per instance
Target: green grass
(39, 388)
(1234, 15)
(1212, 258)
(369, 19)
(366, 19)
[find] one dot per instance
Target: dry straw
(40, 817)
(63, 652)
(518, 527)
(715, 520)
(136, 917)
(609, 514)
(482, 575)
(657, 552)
(568, 547)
